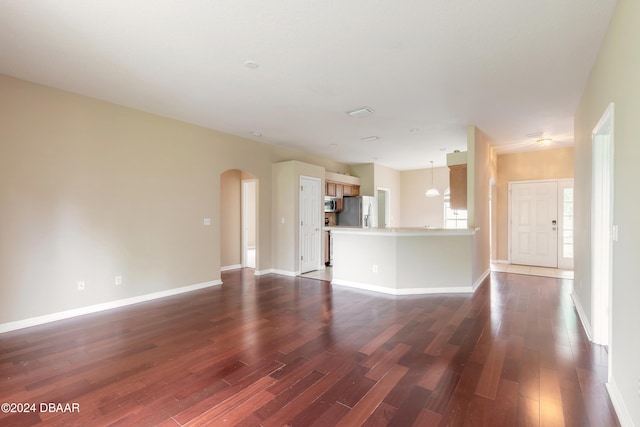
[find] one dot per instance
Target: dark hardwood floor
(274, 350)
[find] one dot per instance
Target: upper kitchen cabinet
(457, 163)
(339, 185)
(330, 188)
(351, 190)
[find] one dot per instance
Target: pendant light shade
(432, 191)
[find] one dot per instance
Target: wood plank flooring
(275, 350)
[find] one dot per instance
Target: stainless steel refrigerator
(359, 211)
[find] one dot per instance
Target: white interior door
(310, 224)
(534, 223)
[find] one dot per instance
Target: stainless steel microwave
(330, 204)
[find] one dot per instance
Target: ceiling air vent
(360, 112)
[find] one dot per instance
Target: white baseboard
(618, 405)
(284, 272)
(231, 267)
(40, 320)
(582, 315)
(275, 271)
(480, 280)
(263, 272)
(403, 291)
(500, 261)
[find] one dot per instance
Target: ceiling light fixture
(544, 141)
(251, 65)
(369, 138)
(360, 112)
(433, 191)
(255, 133)
(538, 134)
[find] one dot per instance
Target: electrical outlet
(81, 285)
(375, 268)
(118, 280)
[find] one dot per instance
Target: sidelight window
(453, 218)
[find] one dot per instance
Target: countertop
(403, 231)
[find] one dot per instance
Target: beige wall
(417, 209)
(366, 173)
(373, 176)
(481, 170)
(90, 190)
(531, 165)
(251, 211)
(614, 78)
(230, 218)
(286, 212)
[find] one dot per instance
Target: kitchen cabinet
(337, 189)
(351, 190)
(330, 188)
(458, 186)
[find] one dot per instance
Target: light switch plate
(207, 221)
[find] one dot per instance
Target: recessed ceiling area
(286, 72)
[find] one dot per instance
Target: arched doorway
(238, 220)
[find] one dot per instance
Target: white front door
(534, 223)
(310, 223)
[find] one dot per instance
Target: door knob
(554, 222)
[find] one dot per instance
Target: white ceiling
(427, 68)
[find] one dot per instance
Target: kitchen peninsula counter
(404, 261)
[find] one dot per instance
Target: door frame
(387, 206)
(318, 229)
(602, 190)
(245, 220)
(560, 184)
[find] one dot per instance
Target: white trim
(244, 212)
(387, 206)
(47, 318)
(618, 405)
(403, 291)
(263, 272)
(602, 205)
(500, 261)
(285, 272)
(582, 315)
(231, 267)
(482, 278)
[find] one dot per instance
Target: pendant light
(433, 191)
